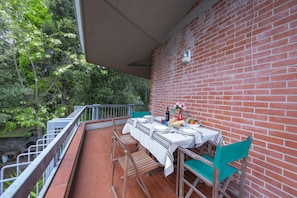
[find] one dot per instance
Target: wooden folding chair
(126, 138)
(216, 171)
(134, 165)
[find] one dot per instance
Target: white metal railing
(103, 111)
(34, 170)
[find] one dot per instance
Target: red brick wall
(242, 80)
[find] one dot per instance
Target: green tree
(27, 46)
(42, 68)
(85, 83)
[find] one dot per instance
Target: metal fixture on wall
(187, 57)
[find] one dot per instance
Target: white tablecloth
(162, 145)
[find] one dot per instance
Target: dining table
(161, 140)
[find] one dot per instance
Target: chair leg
(193, 188)
(112, 180)
(222, 191)
(189, 193)
(182, 180)
(215, 186)
(181, 174)
(113, 147)
(112, 160)
(177, 175)
(143, 187)
(242, 178)
(125, 176)
(115, 195)
(112, 174)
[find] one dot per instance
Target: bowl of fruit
(191, 122)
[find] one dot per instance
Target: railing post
(129, 110)
(93, 112)
(99, 112)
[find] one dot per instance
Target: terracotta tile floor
(93, 174)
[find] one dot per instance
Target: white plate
(161, 128)
(148, 116)
(187, 131)
(143, 120)
(159, 118)
(193, 125)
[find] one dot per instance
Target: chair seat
(207, 171)
(143, 162)
(128, 139)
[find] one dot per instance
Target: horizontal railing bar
(26, 181)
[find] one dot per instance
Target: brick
(269, 139)
(270, 112)
(282, 149)
(267, 152)
(292, 83)
(287, 48)
(254, 129)
(289, 62)
(285, 34)
(286, 180)
(290, 159)
(280, 33)
(292, 113)
(283, 6)
(273, 44)
(291, 190)
(283, 105)
(269, 125)
(284, 91)
(272, 58)
(271, 98)
(257, 80)
(277, 192)
(291, 144)
(286, 17)
(271, 85)
(280, 134)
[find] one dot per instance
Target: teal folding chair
(139, 114)
(216, 172)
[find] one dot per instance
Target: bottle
(167, 115)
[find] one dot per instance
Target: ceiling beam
(198, 11)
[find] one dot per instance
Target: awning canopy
(121, 34)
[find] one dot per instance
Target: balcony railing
(34, 170)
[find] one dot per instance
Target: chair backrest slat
(232, 152)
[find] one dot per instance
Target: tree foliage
(42, 68)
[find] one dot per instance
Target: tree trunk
(17, 70)
(40, 132)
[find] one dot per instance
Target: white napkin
(197, 138)
(135, 122)
(152, 130)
